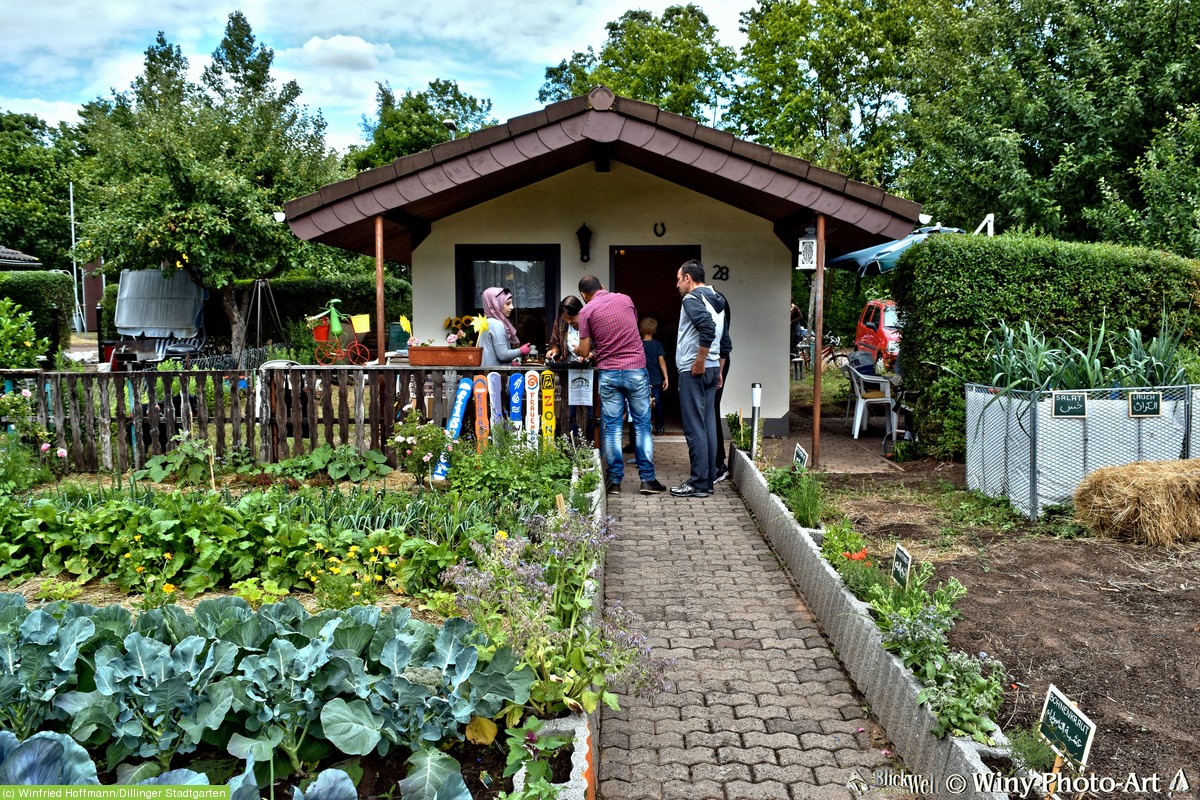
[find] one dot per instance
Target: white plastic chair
(871, 390)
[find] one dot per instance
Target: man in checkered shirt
(608, 329)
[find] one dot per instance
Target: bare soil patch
(1112, 624)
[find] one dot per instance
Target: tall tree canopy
(182, 175)
(822, 80)
(673, 61)
(415, 122)
(34, 189)
(1030, 108)
(1168, 182)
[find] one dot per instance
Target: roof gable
(414, 191)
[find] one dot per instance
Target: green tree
(1027, 108)
(1168, 182)
(415, 122)
(673, 61)
(822, 80)
(34, 192)
(189, 176)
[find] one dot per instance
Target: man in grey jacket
(697, 357)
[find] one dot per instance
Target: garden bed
(1112, 624)
(514, 542)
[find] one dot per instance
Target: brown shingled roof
(10, 256)
(417, 190)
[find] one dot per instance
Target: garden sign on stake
(901, 566)
(1067, 730)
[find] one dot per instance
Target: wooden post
(1058, 764)
(378, 395)
(818, 329)
(380, 324)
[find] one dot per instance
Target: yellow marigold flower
(168, 588)
(139, 569)
(501, 535)
(382, 550)
(378, 577)
(168, 556)
(358, 594)
(373, 560)
(353, 549)
(334, 560)
(137, 538)
(129, 555)
(336, 570)
(318, 546)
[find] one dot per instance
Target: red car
(878, 332)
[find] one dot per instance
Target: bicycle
(829, 354)
(331, 352)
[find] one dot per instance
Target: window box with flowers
(460, 348)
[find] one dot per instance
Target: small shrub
(800, 491)
(418, 445)
(190, 463)
(256, 595)
(964, 695)
(343, 462)
(19, 343)
(528, 747)
(351, 578)
(846, 551)
(1029, 750)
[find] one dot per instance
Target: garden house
(614, 187)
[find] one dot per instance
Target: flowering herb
(535, 595)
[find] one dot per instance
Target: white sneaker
(721, 475)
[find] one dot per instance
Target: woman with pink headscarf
(500, 343)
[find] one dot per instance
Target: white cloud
(339, 52)
(63, 53)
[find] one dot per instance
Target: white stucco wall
(621, 207)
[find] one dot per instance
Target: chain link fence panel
(1035, 448)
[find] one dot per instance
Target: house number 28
(720, 272)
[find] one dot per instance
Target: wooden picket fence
(117, 420)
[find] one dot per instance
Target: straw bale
(1150, 502)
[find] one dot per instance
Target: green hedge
(295, 298)
(49, 297)
(952, 289)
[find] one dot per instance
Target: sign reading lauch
(1145, 404)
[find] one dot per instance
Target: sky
(59, 54)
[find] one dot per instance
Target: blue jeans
(618, 387)
(697, 394)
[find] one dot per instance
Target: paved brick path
(760, 706)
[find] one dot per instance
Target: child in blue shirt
(656, 366)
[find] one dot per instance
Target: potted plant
(460, 348)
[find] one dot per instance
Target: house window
(530, 272)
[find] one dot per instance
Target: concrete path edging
(889, 686)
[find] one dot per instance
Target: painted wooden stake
(532, 382)
(483, 426)
(547, 407)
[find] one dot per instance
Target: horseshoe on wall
(660, 229)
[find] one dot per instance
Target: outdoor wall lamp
(584, 235)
